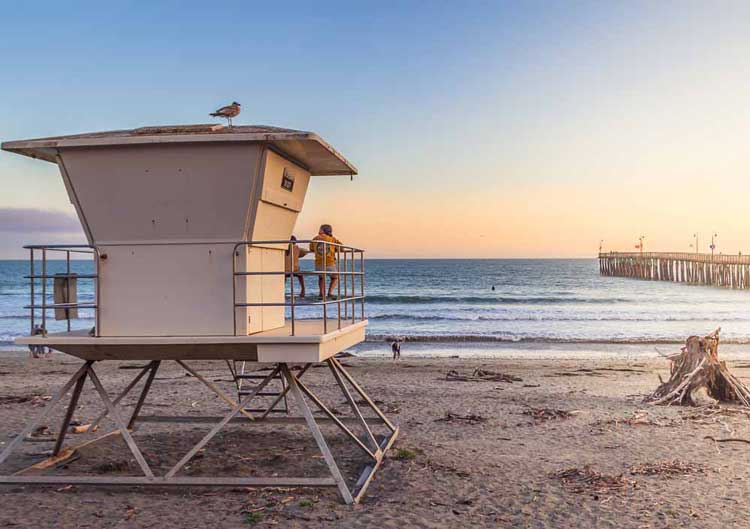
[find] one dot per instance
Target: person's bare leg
(334, 280)
(321, 285)
(301, 285)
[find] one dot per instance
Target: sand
(509, 464)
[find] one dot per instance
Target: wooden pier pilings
(728, 271)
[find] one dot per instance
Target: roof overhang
(305, 148)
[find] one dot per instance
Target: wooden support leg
(213, 387)
(124, 393)
(115, 413)
(322, 407)
(47, 410)
(142, 398)
(364, 395)
(353, 405)
(236, 408)
(369, 471)
(317, 435)
(72, 405)
(284, 393)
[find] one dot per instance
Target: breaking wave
(475, 338)
(546, 317)
(484, 300)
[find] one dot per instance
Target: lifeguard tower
(188, 228)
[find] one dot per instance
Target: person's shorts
(330, 269)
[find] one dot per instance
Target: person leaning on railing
(291, 264)
(325, 257)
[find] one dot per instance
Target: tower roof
(305, 148)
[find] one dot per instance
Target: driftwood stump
(696, 370)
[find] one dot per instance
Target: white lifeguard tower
(188, 228)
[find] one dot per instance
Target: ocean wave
(477, 338)
(428, 317)
(484, 300)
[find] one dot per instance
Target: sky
(480, 129)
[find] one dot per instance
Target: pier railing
(728, 271)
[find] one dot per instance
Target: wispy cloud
(32, 220)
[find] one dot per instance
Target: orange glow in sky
(503, 131)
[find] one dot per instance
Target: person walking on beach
(325, 257)
(396, 348)
(291, 264)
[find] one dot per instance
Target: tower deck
(310, 343)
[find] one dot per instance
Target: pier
(727, 271)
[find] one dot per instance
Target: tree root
(697, 369)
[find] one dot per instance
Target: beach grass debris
(405, 454)
(481, 375)
(704, 415)
(471, 418)
(252, 518)
(14, 399)
(548, 414)
(38, 401)
(436, 466)
(41, 431)
(728, 439)
(111, 466)
(35, 400)
(622, 369)
(674, 467)
(638, 418)
(586, 479)
(697, 374)
(385, 407)
(79, 428)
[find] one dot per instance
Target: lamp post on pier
(695, 236)
(713, 245)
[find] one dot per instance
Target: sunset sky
(480, 129)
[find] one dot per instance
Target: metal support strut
(372, 445)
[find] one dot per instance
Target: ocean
(557, 302)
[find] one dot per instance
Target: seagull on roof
(228, 112)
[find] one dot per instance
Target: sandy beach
(570, 444)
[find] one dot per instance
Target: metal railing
(349, 300)
(350, 271)
(43, 305)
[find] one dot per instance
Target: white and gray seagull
(228, 112)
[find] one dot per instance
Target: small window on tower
(287, 181)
